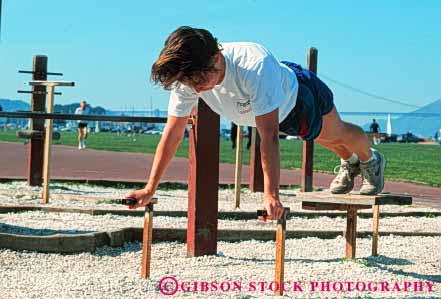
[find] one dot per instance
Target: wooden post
(351, 232)
(147, 241)
(375, 224)
(308, 146)
(256, 171)
(47, 146)
(38, 103)
(280, 252)
(203, 182)
(238, 171)
(48, 135)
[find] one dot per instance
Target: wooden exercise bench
(351, 203)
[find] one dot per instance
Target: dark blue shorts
(314, 99)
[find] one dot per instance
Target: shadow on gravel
(26, 231)
(382, 263)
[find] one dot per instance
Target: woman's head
(189, 56)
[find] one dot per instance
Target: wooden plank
(321, 206)
(326, 197)
(38, 103)
(238, 170)
(375, 224)
(147, 241)
(280, 252)
(256, 171)
(351, 232)
(203, 182)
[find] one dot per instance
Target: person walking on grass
(246, 84)
(82, 125)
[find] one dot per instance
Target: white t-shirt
(80, 111)
(255, 83)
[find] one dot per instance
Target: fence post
(308, 146)
(203, 182)
(38, 103)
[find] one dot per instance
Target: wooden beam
(308, 146)
(256, 171)
(351, 232)
(203, 182)
(47, 147)
(38, 103)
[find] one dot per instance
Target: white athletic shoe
(84, 144)
(80, 146)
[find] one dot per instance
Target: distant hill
(14, 105)
(416, 122)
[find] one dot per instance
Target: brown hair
(187, 54)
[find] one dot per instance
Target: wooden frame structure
(351, 203)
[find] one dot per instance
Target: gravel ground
(86, 196)
(247, 267)
(114, 272)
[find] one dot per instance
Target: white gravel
(74, 195)
(114, 272)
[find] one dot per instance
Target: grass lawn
(405, 162)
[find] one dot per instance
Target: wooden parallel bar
(27, 134)
(375, 224)
(147, 241)
(280, 252)
(203, 182)
(351, 232)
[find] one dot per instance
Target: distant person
(1, 109)
(375, 127)
(233, 136)
(437, 136)
(375, 130)
(82, 125)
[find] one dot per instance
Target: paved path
(71, 164)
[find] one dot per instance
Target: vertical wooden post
(203, 182)
(280, 252)
(238, 171)
(147, 241)
(376, 221)
(47, 146)
(351, 232)
(38, 102)
(256, 171)
(308, 146)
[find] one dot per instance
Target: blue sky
(391, 48)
